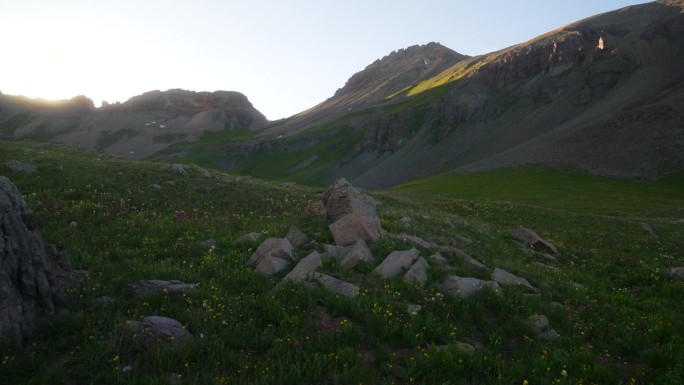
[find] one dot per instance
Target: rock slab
(466, 287)
(396, 262)
(159, 330)
(158, 286)
(505, 278)
(532, 239)
(34, 276)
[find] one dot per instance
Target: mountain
(604, 94)
(136, 128)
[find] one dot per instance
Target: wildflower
(564, 373)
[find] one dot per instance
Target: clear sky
(284, 55)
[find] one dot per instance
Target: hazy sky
(284, 55)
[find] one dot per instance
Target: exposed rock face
(351, 214)
(33, 275)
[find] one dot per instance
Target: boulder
(34, 276)
(270, 265)
(253, 236)
(272, 247)
(351, 214)
(333, 284)
(305, 266)
(675, 272)
(356, 254)
(157, 330)
(531, 239)
(505, 278)
(458, 254)
(336, 252)
(157, 286)
(19, 166)
(466, 287)
(438, 259)
(418, 273)
(316, 209)
(416, 241)
(396, 262)
(178, 169)
(296, 237)
(540, 325)
(209, 244)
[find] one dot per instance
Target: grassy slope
(623, 325)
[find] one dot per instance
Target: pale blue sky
(285, 56)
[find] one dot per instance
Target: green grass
(621, 326)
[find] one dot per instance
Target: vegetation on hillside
(121, 221)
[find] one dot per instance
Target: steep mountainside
(136, 128)
(603, 94)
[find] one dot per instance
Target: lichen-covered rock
(34, 276)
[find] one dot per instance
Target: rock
(406, 221)
(505, 278)
(19, 166)
(675, 273)
(418, 273)
(305, 266)
(178, 169)
(353, 227)
(413, 309)
(648, 229)
(533, 240)
(356, 254)
(156, 186)
(156, 330)
(336, 252)
(272, 247)
(438, 259)
(288, 184)
(396, 262)
(34, 276)
(253, 236)
(455, 253)
(540, 325)
(416, 241)
(158, 286)
(462, 239)
(269, 265)
(296, 237)
(466, 287)
(316, 209)
(465, 348)
(209, 244)
(351, 214)
(333, 284)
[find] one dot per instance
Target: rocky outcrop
(34, 276)
(351, 214)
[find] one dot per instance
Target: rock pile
(351, 214)
(34, 276)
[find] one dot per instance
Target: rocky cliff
(33, 275)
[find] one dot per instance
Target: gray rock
(462, 239)
(354, 227)
(675, 272)
(34, 276)
(209, 244)
(253, 236)
(540, 325)
(458, 254)
(406, 221)
(269, 265)
(648, 229)
(351, 214)
(438, 259)
(178, 169)
(466, 287)
(333, 284)
(305, 266)
(158, 286)
(505, 278)
(296, 237)
(396, 262)
(413, 309)
(156, 330)
(156, 186)
(465, 348)
(19, 166)
(530, 238)
(356, 254)
(272, 247)
(336, 252)
(416, 241)
(418, 273)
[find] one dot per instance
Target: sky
(284, 55)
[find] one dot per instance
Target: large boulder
(272, 256)
(34, 276)
(351, 214)
(396, 262)
(358, 253)
(305, 266)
